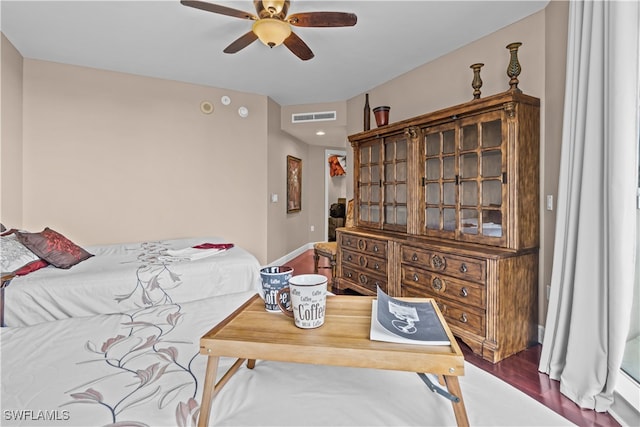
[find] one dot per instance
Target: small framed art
(294, 184)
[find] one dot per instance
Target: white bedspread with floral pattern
(127, 369)
(129, 276)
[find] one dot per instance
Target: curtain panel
(595, 245)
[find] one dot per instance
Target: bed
(121, 277)
(143, 368)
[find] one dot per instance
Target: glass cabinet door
(369, 184)
(439, 180)
(395, 183)
(382, 183)
(482, 173)
(463, 179)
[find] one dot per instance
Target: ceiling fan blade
(323, 19)
(241, 42)
(298, 47)
(216, 8)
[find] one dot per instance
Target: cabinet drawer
(374, 264)
(364, 279)
(364, 244)
(467, 318)
(465, 292)
(440, 262)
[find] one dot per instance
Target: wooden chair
(330, 249)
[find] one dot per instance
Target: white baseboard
(291, 255)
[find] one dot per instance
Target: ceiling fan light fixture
(271, 32)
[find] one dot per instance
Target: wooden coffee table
(251, 333)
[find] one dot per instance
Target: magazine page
(406, 322)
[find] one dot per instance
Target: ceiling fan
(272, 25)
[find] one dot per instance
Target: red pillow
(54, 248)
(30, 268)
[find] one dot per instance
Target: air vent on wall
(313, 117)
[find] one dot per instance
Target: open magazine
(393, 320)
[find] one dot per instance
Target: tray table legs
(211, 388)
(459, 409)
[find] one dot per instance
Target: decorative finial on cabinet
(476, 84)
(513, 70)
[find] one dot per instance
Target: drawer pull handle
(463, 268)
(348, 242)
(436, 284)
(349, 275)
(415, 277)
(376, 266)
(464, 292)
(463, 318)
(375, 248)
(349, 258)
(414, 258)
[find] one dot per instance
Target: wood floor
(520, 370)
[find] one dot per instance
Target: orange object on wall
(335, 166)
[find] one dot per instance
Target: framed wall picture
(294, 184)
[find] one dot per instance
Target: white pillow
(13, 254)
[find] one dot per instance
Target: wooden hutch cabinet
(446, 205)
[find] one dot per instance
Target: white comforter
(128, 276)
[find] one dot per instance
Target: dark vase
(367, 113)
(382, 115)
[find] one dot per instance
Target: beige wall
(286, 232)
(446, 81)
(10, 134)
(290, 232)
(556, 29)
(112, 157)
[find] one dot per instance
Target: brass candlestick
(513, 70)
(476, 84)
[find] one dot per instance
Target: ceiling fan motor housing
(277, 9)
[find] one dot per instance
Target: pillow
(31, 267)
(14, 256)
(54, 248)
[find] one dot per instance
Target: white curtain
(595, 245)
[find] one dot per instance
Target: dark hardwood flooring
(519, 370)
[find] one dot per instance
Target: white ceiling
(167, 40)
